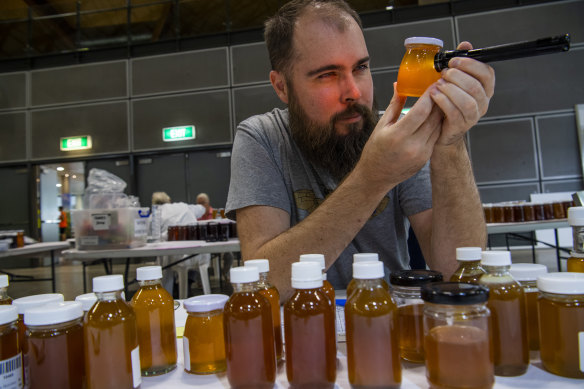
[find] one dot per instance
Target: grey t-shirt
(268, 168)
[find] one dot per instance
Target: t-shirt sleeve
(415, 194)
(256, 171)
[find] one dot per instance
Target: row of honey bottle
(521, 211)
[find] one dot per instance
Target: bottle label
(11, 373)
(187, 359)
(581, 347)
(136, 373)
(140, 227)
(101, 221)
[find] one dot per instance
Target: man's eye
(362, 67)
(326, 75)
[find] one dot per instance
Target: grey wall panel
(13, 136)
(107, 124)
(386, 44)
(180, 72)
(250, 63)
(563, 186)
(209, 172)
(163, 173)
(249, 101)
(73, 84)
(14, 213)
(558, 144)
(207, 111)
(498, 193)
(503, 151)
(383, 88)
(12, 90)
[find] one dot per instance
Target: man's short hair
(279, 29)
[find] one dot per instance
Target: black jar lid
(454, 293)
(414, 277)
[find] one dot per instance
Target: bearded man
(327, 175)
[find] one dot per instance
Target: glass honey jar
(457, 336)
(309, 330)
(4, 298)
(576, 220)
(204, 339)
(250, 350)
(10, 349)
(154, 309)
(55, 350)
(270, 292)
(364, 257)
(416, 71)
(561, 323)
(326, 285)
(407, 292)
(373, 356)
(469, 265)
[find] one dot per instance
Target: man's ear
(279, 84)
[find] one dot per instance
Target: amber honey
(416, 72)
(468, 272)
(576, 264)
(10, 351)
(351, 287)
(532, 319)
(273, 296)
(411, 335)
(328, 290)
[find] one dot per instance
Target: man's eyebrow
(333, 67)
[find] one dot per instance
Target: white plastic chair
(201, 262)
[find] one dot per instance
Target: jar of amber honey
(203, 339)
(407, 286)
(561, 323)
(4, 298)
(456, 341)
(576, 220)
(364, 257)
(416, 71)
(57, 330)
(10, 356)
(469, 265)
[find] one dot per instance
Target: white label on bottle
(140, 227)
(101, 221)
(187, 358)
(136, 373)
(11, 373)
(581, 347)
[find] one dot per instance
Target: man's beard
(321, 145)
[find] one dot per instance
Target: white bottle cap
(87, 300)
(3, 280)
(243, 274)
(318, 258)
(205, 303)
(576, 216)
(109, 283)
(468, 253)
(368, 270)
(527, 271)
(53, 313)
(496, 258)
(365, 257)
(422, 40)
(23, 304)
(561, 283)
(263, 265)
(8, 314)
(306, 275)
(148, 273)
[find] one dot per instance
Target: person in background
(328, 175)
(203, 200)
(62, 224)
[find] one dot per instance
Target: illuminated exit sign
(76, 143)
(173, 134)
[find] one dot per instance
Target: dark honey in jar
(326, 285)
(4, 298)
(54, 338)
(364, 257)
(270, 292)
(112, 355)
(249, 333)
(576, 220)
(561, 323)
(508, 317)
(457, 345)
(309, 330)
(488, 211)
(154, 309)
(498, 213)
(576, 262)
(469, 265)
(373, 356)
(10, 349)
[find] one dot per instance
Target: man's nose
(349, 89)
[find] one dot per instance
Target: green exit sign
(173, 134)
(76, 143)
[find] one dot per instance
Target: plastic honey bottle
(10, 349)
(364, 257)
(154, 309)
(326, 285)
(469, 265)
(250, 352)
(309, 330)
(507, 306)
(112, 355)
(373, 355)
(576, 220)
(4, 298)
(416, 71)
(270, 292)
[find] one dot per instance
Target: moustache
(350, 112)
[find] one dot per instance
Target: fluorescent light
(59, 185)
(60, 168)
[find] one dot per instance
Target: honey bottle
(112, 355)
(416, 71)
(576, 220)
(526, 274)
(469, 265)
(364, 257)
(326, 285)
(154, 309)
(10, 350)
(270, 292)
(250, 351)
(373, 356)
(4, 298)
(309, 330)
(507, 306)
